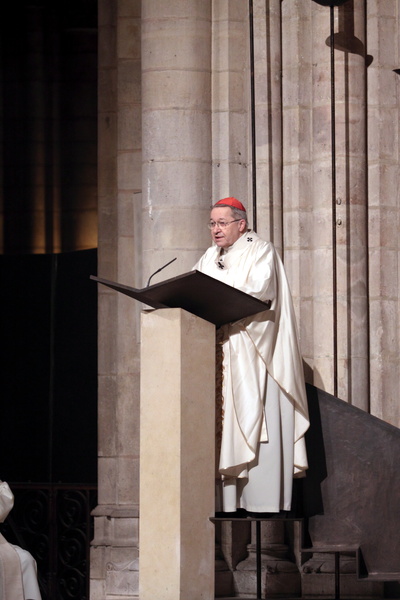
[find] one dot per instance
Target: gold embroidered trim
(219, 401)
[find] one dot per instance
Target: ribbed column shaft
(176, 133)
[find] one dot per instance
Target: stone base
(114, 573)
(318, 579)
(114, 553)
(322, 585)
(279, 579)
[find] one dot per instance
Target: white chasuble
(265, 414)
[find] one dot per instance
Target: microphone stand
(158, 270)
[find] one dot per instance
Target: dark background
(48, 410)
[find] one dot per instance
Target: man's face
(226, 236)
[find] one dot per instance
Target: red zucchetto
(231, 202)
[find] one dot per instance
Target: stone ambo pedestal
(177, 446)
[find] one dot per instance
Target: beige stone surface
(175, 135)
(177, 456)
(115, 543)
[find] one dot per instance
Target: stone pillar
(114, 552)
(176, 121)
(307, 181)
(268, 119)
(307, 87)
(351, 204)
(177, 450)
(231, 156)
(297, 178)
(383, 177)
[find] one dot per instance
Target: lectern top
(197, 293)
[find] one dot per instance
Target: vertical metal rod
(333, 141)
(253, 117)
(337, 575)
(258, 558)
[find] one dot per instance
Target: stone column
(231, 156)
(268, 119)
(320, 225)
(176, 119)
(232, 110)
(351, 204)
(114, 553)
(330, 285)
(298, 210)
(383, 193)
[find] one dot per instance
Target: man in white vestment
(18, 575)
(264, 406)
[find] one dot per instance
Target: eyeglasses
(221, 224)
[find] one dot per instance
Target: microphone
(160, 269)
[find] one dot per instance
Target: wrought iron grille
(53, 523)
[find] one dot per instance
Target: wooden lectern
(177, 430)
